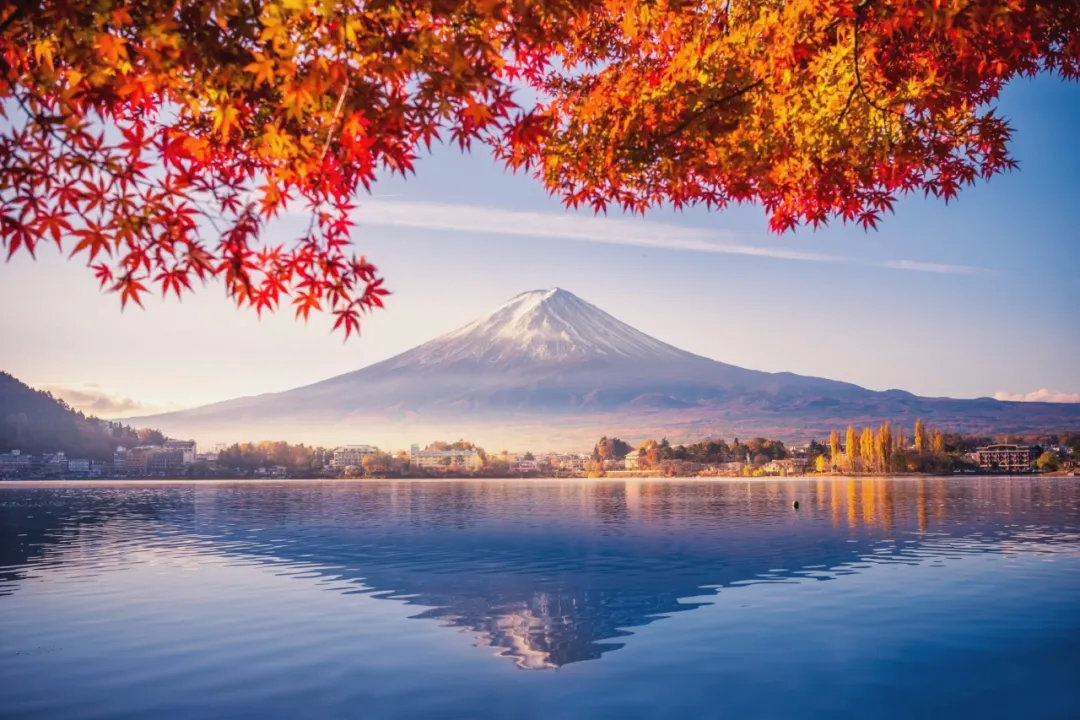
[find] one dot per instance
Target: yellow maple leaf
(224, 119)
(262, 68)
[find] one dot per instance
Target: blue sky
(974, 298)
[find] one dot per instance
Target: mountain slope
(548, 367)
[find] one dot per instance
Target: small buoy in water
(795, 504)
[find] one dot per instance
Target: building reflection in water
(546, 572)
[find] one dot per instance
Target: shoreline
(37, 482)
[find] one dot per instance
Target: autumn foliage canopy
(156, 139)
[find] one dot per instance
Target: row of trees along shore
(885, 448)
(246, 459)
(687, 458)
(882, 449)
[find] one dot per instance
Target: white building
(119, 459)
(569, 461)
(446, 460)
(351, 455)
(186, 448)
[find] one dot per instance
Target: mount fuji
(547, 370)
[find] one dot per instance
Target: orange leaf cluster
(813, 108)
(157, 140)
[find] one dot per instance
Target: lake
(877, 597)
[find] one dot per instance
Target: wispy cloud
(613, 231)
(103, 403)
(1041, 395)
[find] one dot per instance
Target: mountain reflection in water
(546, 572)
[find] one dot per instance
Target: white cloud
(102, 403)
(1041, 395)
(614, 231)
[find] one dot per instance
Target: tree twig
(329, 138)
(711, 104)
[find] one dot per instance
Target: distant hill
(35, 422)
(549, 370)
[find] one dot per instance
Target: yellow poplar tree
(851, 449)
(884, 446)
(921, 445)
(866, 448)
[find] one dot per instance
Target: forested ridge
(34, 421)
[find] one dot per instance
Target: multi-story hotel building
(1012, 458)
(351, 455)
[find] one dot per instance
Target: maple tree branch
(711, 104)
(39, 120)
(329, 138)
(859, 83)
(15, 14)
(333, 121)
(847, 105)
(855, 62)
(858, 76)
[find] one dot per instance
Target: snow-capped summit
(546, 326)
(548, 369)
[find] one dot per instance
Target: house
(14, 463)
(787, 466)
(569, 462)
(54, 463)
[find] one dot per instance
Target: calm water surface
(935, 597)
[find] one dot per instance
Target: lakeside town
(879, 451)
